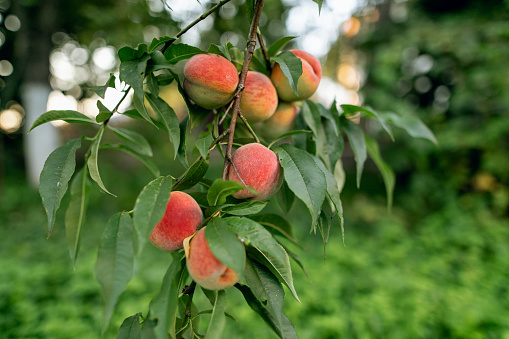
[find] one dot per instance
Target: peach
(210, 80)
(308, 81)
(281, 122)
(259, 98)
(259, 168)
(204, 267)
(181, 219)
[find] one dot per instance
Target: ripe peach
(259, 168)
(210, 80)
(259, 98)
(180, 220)
(204, 267)
(281, 122)
(308, 81)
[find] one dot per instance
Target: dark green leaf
(67, 116)
(334, 144)
(297, 259)
(220, 189)
(269, 250)
(303, 177)
(276, 225)
(225, 245)
(357, 143)
(101, 90)
(221, 50)
(114, 266)
(158, 62)
(149, 208)
(291, 66)
(104, 112)
(245, 208)
(164, 305)
(177, 52)
(149, 164)
(217, 320)
(92, 161)
(385, 170)
(312, 116)
(324, 224)
(128, 53)
(413, 125)
(185, 131)
(133, 114)
(319, 2)
(134, 140)
(203, 145)
(152, 84)
(75, 214)
(168, 118)
(164, 79)
(193, 175)
(278, 45)
(197, 114)
(250, 8)
(351, 109)
(55, 175)
(158, 42)
(130, 328)
(285, 197)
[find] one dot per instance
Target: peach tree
(254, 100)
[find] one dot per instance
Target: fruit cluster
(210, 81)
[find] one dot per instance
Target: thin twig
(200, 18)
(226, 112)
(251, 44)
(244, 120)
(264, 51)
(219, 138)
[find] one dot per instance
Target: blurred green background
(436, 267)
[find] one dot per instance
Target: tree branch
(251, 44)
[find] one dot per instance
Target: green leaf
(67, 116)
(130, 328)
(339, 175)
(357, 143)
(413, 125)
(164, 305)
(101, 90)
(217, 320)
(193, 175)
(54, 179)
(319, 2)
(152, 84)
(385, 170)
(225, 245)
(311, 116)
(221, 189)
(278, 45)
(288, 134)
(221, 50)
(169, 119)
(276, 225)
(104, 112)
(149, 208)
(250, 9)
(270, 252)
(265, 296)
(203, 145)
(303, 177)
(134, 140)
(291, 66)
(149, 164)
(324, 224)
(114, 266)
(133, 73)
(75, 214)
(245, 208)
(285, 197)
(197, 114)
(158, 42)
(128, 53)
(164, 79)
(333, 194)
(177, 52)
(185, 131)
(352, 109)
(92, 161)
(334, 144)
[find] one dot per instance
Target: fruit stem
(249, 127)
(251, 44)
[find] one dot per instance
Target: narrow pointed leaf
(351, 109)
(55, 175)
(157, 42)
(385, 170)
(67, 116)
(101, 90)
(168, 118)
(225, 245)
(203, 145)
(114, 266)
(130, 328)
(92, 164)
(285, 197)
(245, 208)
(312, 116)
(269, 250)
(149, 208)
(133, 140)
(303, 177)
(412, 125)
(357, 143)
(221, 189)
(218, 318)
(75, 214)
(276, 225)
(278, 45)
(193, 175)
(291, 66)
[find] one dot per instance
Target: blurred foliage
(446, 63)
